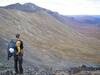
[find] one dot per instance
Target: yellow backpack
(19, 46)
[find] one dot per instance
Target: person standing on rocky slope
(18, 57)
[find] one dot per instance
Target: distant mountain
(29, 7)
(95, 19)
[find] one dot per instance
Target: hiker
(18, 56)
(15, 48)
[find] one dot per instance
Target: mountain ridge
(28, 7)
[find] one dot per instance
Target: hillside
(86, 25)
(47, 41)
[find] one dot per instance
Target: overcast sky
(66, 7)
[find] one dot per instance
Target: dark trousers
(18, 60)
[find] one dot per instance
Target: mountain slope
(92, 27)
(46, 40)
(87, 25)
